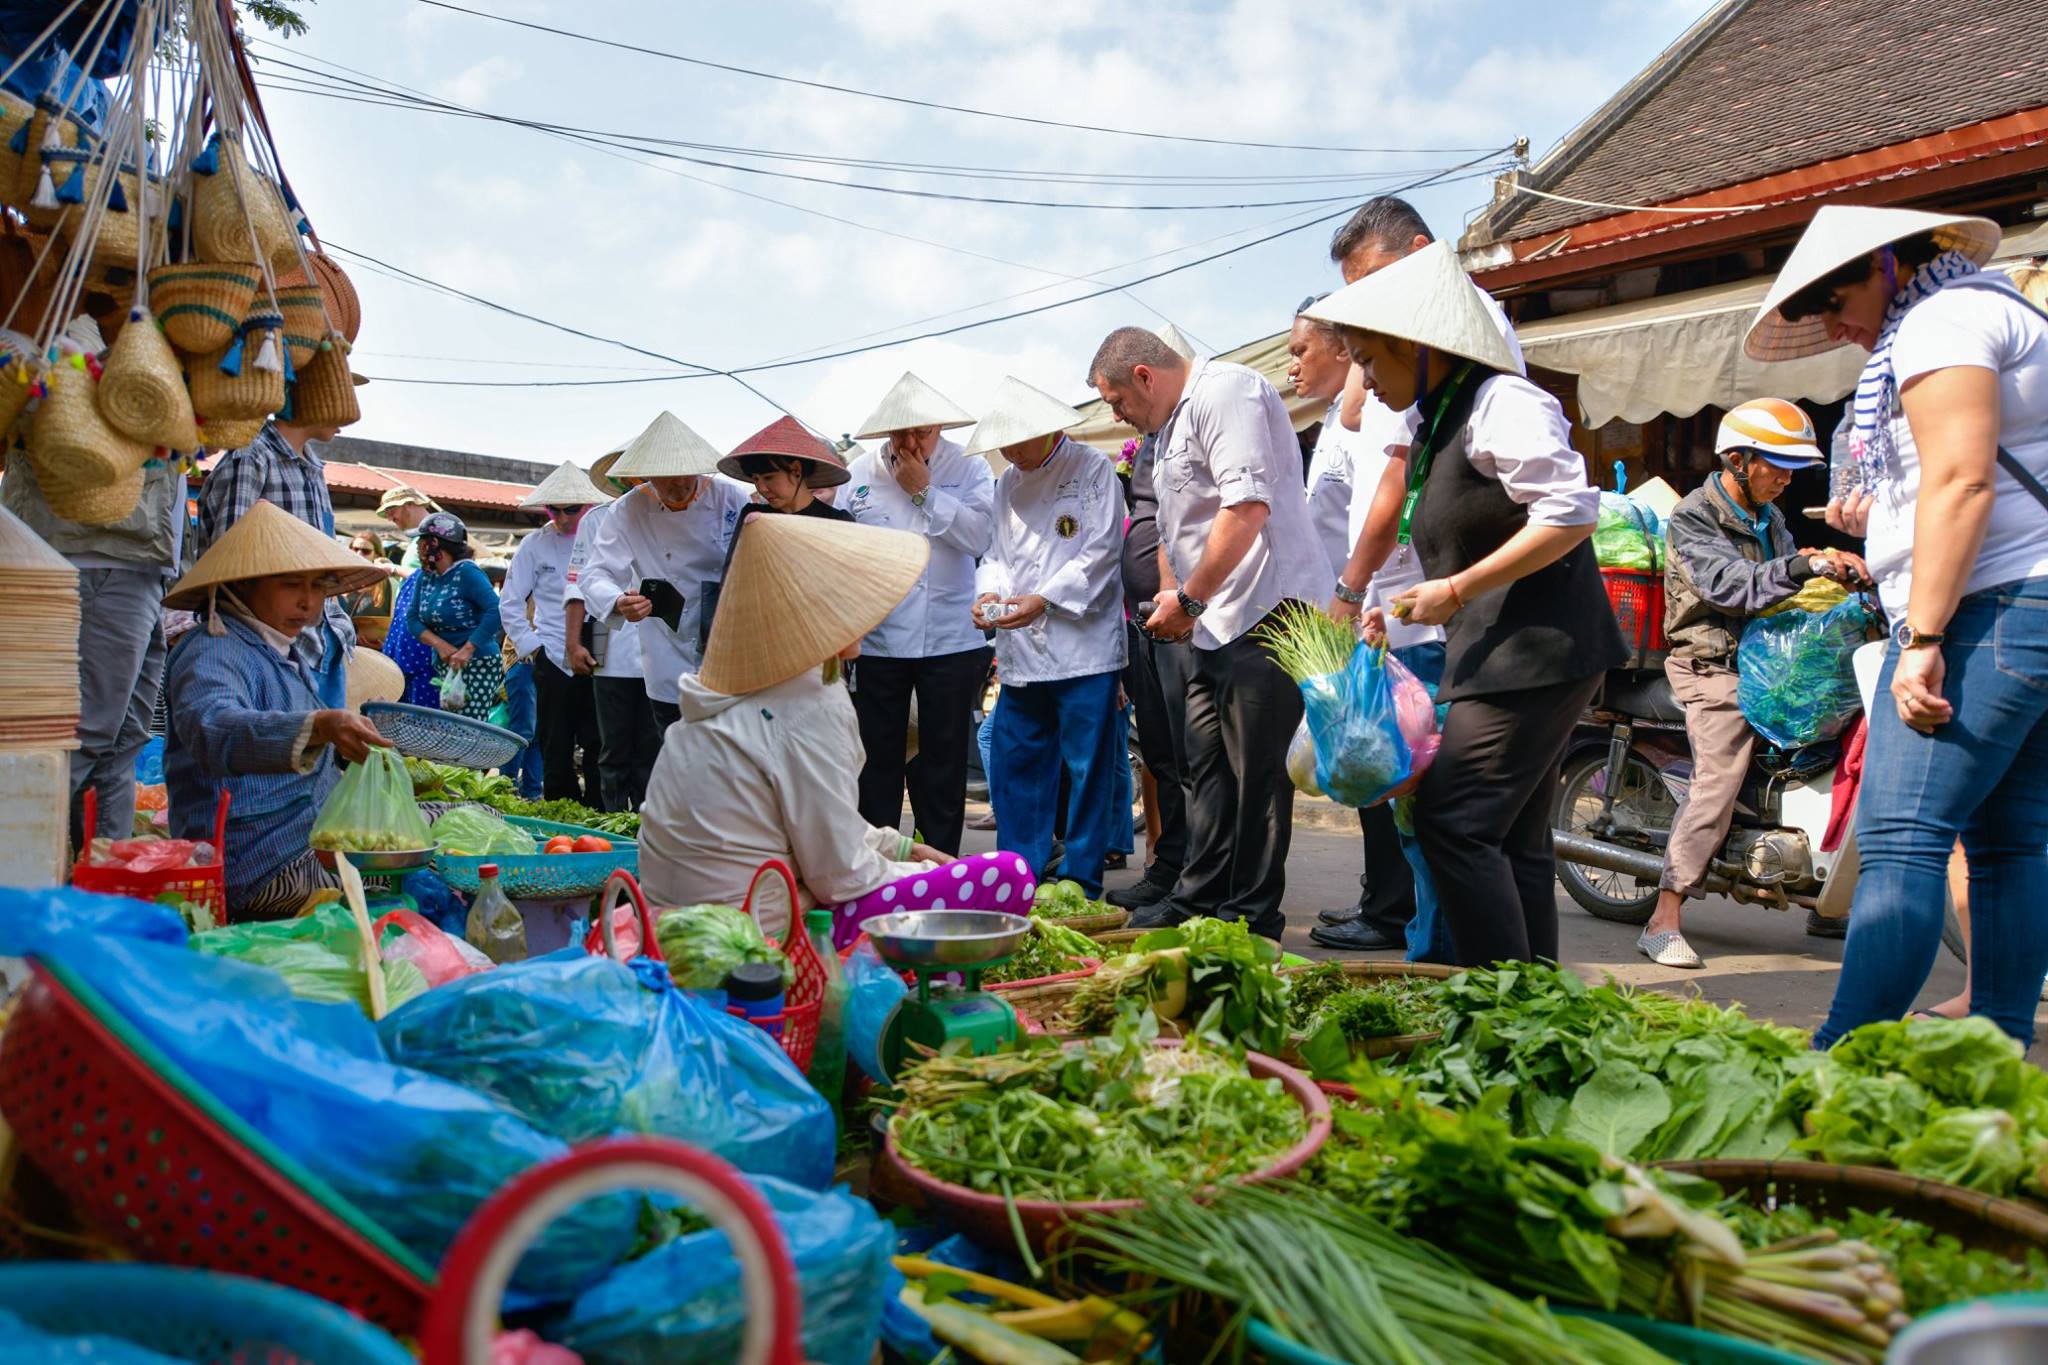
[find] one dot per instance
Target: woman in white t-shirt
(1950, 442)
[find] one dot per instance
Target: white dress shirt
(642, 539)
(1059, 534)
(1382, 439)
(1519, 435)
(936, 618)
(616, 642)
(1229, 442)
(540, 568)
(1329, 488)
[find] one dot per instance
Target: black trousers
(1386, 888)
(565, 711)
(946, 687)
(1161, 747)
(628, 740)
(1241, 714)
(1483, 817)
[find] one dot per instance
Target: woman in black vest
(1499, 511)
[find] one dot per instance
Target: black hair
(1910, 252)
(754, 466)
(455, 549)
(1387, 222)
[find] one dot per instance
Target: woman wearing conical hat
(765, 761)
(244, 715)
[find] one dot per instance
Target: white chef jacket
(1059, 534)
(1329, 488)
(1229, 442)
(619, 656)
(540, 568)
(643, 539)
(936, 618)
(1382, 438)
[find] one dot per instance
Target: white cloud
(475, 83)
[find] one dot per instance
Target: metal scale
(937, 946)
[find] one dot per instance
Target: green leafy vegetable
(474, 832)
(1065, 900)
(1050, 949)
(1208, 961)
(702, 943)
(1934, 1269)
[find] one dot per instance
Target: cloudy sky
(696, 263)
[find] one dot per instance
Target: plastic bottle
(828, 1057)
(495, 927)
(754, 991)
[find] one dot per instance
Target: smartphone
(1814, 513)
(667, 602)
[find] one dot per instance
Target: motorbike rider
(1729, 556)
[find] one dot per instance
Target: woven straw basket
(230, 433)
(16, 114)
(251, 394)
(89, 472)
(69, 164)
(305, 320)
(142, 388)
(344, 307)
(17, 380)
(220, 231)
(325, 394)
(201, 304)
(28, 163)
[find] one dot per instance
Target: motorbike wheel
(1643, 803)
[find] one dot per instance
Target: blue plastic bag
(414, 1153)
(873, 991)
(149, 764)
(584, 1047)
(1793, 672)
(1373, 727)
(681, 1304)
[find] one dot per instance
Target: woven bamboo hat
(791, 440)
(799, 590)
(568, 486)
(268, 540)
(1427, 298)
(666, 450)
(1838, 234)
(372, 677)
(601, 474)
(912, 403)
(1018, 413)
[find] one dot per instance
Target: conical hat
(1838, 234)
(372, 677)
(912, 403)
(568, 486)
(268, 540)
(799, 590)
(601, 473)
(790, 439)
(1017, 413)
(1427, 298)
(1174, 338)
(666, 450)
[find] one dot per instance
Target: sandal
(1668, 949)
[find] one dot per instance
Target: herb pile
(1934, 1269)
(1050, 949)
(446, 782)
(1182, 972)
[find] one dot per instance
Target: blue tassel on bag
(208, 161)
(291, 372)
(284, 414)
(18, 144)
(231, 359)
(175, 219)
(72, 191)
(117, 198)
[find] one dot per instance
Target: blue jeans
(1121, 837)
(519, 703)
(1429, 938)
(1984, 777)
(1038, 729)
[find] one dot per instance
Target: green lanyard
(1423, 453)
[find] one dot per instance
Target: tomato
(561, 843)
(591, 843)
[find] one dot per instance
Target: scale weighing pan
(945, 939)
(383, 861)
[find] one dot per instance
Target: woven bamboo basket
(17, 380)
(305, 320)
(201, 304)
(89, 472)
(252, 393)
(2006, 1227)
(325, 394)
(344, 306)
(221, 229)
(1036, 1005)
(1395, 1046)
(28, 163)
(142, 390)
(230, 433)
(16, 117)
(1093, 925)
(1112, 938)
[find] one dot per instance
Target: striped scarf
(1877, 391)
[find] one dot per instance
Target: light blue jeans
(1984, 777)
(1429, 938)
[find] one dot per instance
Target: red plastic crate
(198, 885)
(1638, 601)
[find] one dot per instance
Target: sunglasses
(563, 511)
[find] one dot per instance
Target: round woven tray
(1037, 1003)
(1396, 1046)
(2005, 1226)
(1115, 937)
(1093, 925)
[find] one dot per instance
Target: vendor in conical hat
(788, 467)
(766, 759)
(244, 715)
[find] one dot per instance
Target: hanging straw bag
(142, 388)
(236, 384)
(201, 304)
(89, 472)
(228, 433)
(220, 226)
(305, 320)
(325, 392)
(17, 381)
(337, 292)
(16, 116)
(48, 129)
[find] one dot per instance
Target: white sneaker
(1668, 949)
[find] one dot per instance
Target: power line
(932, 104)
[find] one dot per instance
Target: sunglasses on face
(562, 511)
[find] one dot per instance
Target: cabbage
(473, 832)
(704, 942)
(1978, 1149)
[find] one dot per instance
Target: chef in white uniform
(668, 536)
(1052, 586)
(530, 605)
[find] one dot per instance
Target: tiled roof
(1786, 83)
(447, 489)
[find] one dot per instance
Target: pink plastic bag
(440, 958)
(524, 1348)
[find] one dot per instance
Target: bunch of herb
(1050, 949)
(1183, 971)
(1934, 1269)
(1309, 991)
(1306, 643)
(1064, 900)
(1383, 1007)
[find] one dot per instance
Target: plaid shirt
(269, 469)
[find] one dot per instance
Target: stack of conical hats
(38, 642)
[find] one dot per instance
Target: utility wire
(932, 104)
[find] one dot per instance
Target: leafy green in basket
(1050, 949)
(1934, 1269)
(702, 943)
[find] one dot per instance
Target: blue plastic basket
(443, 736)
(195, 1315)
(543, 876)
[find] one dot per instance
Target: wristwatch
(1189, 604)
(1344, 594)
(1909, 638)
(917, 498)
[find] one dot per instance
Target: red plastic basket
(1638, 600)
(198, 885)
(166, 1171)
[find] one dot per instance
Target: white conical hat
(912, 403)
(1017, 413)
(666, 450)
(1838, 234)
(568, 486)
(799, 590)
(372, 677)
(1427, 298)
(1173, 337)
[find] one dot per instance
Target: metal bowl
(945, 938)
(379, 860)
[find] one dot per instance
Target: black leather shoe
(1820, 926)
(1139, 894)
(1355, 937)
(1347, 915)
(1161, 914)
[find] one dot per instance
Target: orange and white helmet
(1779, 431)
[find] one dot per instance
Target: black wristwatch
(1189, 604)
(1909, 638)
